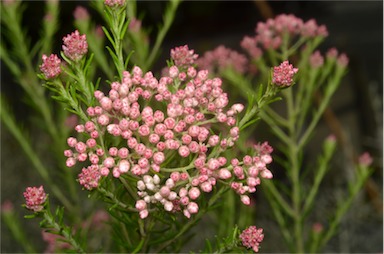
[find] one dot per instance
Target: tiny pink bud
(224, 174)
(266, 174)
(194, 193)
(192, 207)
(143, 214)
(141, 205)
(168, 206)
(245, 199)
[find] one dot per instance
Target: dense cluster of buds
(270, 34)
(114, 3)
(51, 66)
(75, 46)
(222, 58)
(184, 116)
(35, 198)
(251, 237)
(283, 74)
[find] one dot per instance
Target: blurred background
(356, 114)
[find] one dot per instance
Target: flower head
(50, 66)
(81, 13)
(283, 74)
(251, 237)
(35, 198)
(316, 60)
(112, 3)
(222, 58)
(75, 45)
(183, 56)
(89, 177)
(365, 159)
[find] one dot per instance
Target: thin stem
(278, 131)
(319, 175)
(169, 16)
(293, 157)
(191, 222)
(113, 198)
(63, 232)
(343, 208)
(279, 217)
(180, 169)
(323, 105)
(270, 186)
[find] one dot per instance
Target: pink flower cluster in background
(223, 58)
(269, 34)
(185, 116)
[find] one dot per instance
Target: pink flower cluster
(251, 237)
(316, 60)
(186, 117)
(113, 3)
(269, 35)
(283, 74)
(35, 198)
(222, 58)
(75, 46)
(51, 66)
(182, 56)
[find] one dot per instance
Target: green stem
(18, 232)
(113, 198)
(270, 186)
(169, 16)
(329, 148)
(293, 157)
(344, 206)
(276, 209)
(192, 221)
(63, 231)
(330, 89)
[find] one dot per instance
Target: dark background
(355, 27)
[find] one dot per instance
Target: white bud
(156, 179)
(168, 206)
(172, 195)
(150, 186)
(141, 185)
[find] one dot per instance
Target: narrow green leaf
(88, 63)
(31, 216)
(260, 92)
(124, 30)
(108, 35)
